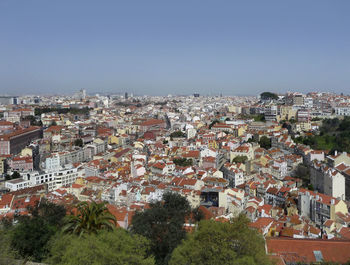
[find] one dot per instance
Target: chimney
(335, 152)
(332, 201)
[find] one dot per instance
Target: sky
(174, 47)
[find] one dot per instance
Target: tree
(177, 134)
(197, 214)
(213, 123)
(183, 162)
(287, 126)
(268, 95)
(90, 219)
(163, 224)
(221, 243)
(251, 140)
(310, 187)
(51, 213)
(259, 117)
(292, 121)
(7, 254)
(105, 247)
(15, 175)
(33, 120)
(265, 142)
(78, 142)
(303, 172)
(240, 159)
(30, 236)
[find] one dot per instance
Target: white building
(54, 179)
(308, 102)
(327, 180)
(17, 184)
(343, 109)
(52, 163)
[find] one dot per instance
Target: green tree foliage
(302, 172)
(316, 119)
(268, 95)
(14, 175)
(90, 219)
(33, 120)
(259, 117)
(334, 135)
(7, 254)
(252, 140)
(221, 243)
(163, 224)
(240, 159)
(213, 123)
(105, 247)
(288, 126)
(197, 215)
(310, 187)
(78, 142)
(30, 236)
(183, 162)
(51, 213)
(39, 111)
(265, 142)
(177, 134)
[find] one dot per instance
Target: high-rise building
(82, 93)
(8, 100)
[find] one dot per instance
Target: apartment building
(327, 180)
(343, 109)
(53, 179)
(319, 207)
(14, 142)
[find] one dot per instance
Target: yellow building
(27, 152)
(112, 139)
(287, 112)
(213, 144)
(338, 207)
(2, 165)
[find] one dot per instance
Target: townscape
(281, 160)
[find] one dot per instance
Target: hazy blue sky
(161, 47)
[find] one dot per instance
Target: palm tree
(90, 219)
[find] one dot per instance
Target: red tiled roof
(303, 250)
(152, 122)
(8, 136)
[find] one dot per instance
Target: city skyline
(158, 48)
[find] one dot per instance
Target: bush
(221, 243)
(116, 247)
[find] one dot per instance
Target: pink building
(19, 163)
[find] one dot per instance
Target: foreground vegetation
(157, 236)
(39, 111)
(334, 135)
(221, 243)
